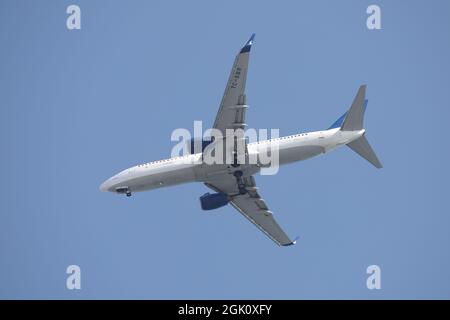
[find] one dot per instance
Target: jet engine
(212, 201)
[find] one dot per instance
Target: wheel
(128, 194)
(238, 174)
(242, 189)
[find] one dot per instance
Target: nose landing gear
(125, 190)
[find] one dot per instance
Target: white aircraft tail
(353, 120)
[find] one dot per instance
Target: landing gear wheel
(241, 186)
(238, 174)
(128, 193)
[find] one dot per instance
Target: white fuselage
(191, 168)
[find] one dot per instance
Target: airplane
(234, 183)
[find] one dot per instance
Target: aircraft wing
(231, 114)
(251, 206)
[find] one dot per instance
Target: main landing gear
(241, 185)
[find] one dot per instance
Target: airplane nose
(104, 187)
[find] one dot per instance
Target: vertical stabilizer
(354, 119)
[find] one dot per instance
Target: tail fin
(353, 120)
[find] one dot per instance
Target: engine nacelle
(210, 201)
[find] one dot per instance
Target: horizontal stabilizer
(362, 147)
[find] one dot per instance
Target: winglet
(292, 243)
(248, 45)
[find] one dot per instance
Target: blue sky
(79, 106)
